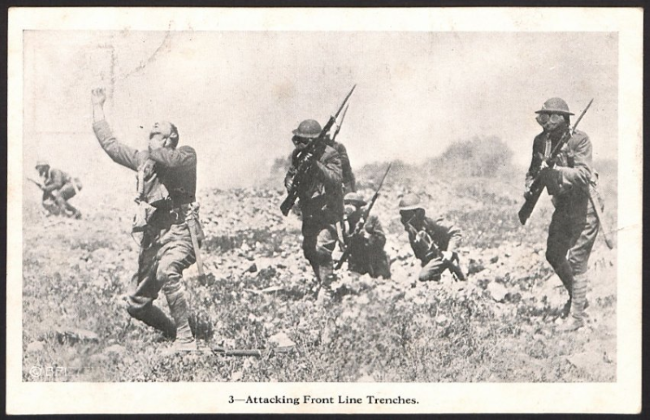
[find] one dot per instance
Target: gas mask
(551, 122)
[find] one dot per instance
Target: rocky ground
(261, 294)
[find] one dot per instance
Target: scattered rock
(282, 341)
(115, 349)
(35, 346)
(497, 291)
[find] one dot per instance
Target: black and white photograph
(324, 210)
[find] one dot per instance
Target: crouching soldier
(58, 187)
(434, 242)
(166, 197)
(365, 239)
(320, 201)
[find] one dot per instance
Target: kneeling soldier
(365, 239)
(433, 241)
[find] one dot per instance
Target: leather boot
(153, 316)
(180, 312)
(577, 318)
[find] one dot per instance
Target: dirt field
(496, 327)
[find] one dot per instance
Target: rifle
(307, 156)
(362, 221)
(433, 252)
(536, 188)
(39, 185)
(339, 125)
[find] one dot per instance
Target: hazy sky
(236, 96)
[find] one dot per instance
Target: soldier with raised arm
(574, 224)
(166, 194)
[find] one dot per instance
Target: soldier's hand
(98, 96)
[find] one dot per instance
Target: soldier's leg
(143, 292)
(310, 234)
(325, 244)
(557, 246)
(584, 230)
(175, 257)
(432, 270)
(63, 195)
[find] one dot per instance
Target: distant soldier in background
(434, 242)
(366, 240)
(574, 225)
(321, 202)
(58, 187)
(166, 197)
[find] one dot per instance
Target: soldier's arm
(579, 175)
(120, 153)
(329, 169)
(452, 232)
(182, 157)
(535, 163)
(56, 183)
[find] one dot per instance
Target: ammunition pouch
(144, 213)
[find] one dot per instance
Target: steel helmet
(410, 202)
(42, 163)
(555, 105)
(353, 197)
(309, 129)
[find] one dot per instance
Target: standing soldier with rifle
(166, 204)
(315, 179)
(434, 242)
(562, 164)
(365, 239)
(59, 187)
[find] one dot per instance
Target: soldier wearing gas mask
(574, 224)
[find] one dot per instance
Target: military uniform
(367, 255)
(574, 224)
(61, 187)
(321, 206)
(166, 245)
(446, 238)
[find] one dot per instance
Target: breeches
(572, 233)
(66, 192)
(161, 265)
(319, 240)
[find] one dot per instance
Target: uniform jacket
(175, 168)
(445, 235)
(323, 197)
(573, 170)
(55, 180)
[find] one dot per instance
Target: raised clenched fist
(98, 96)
